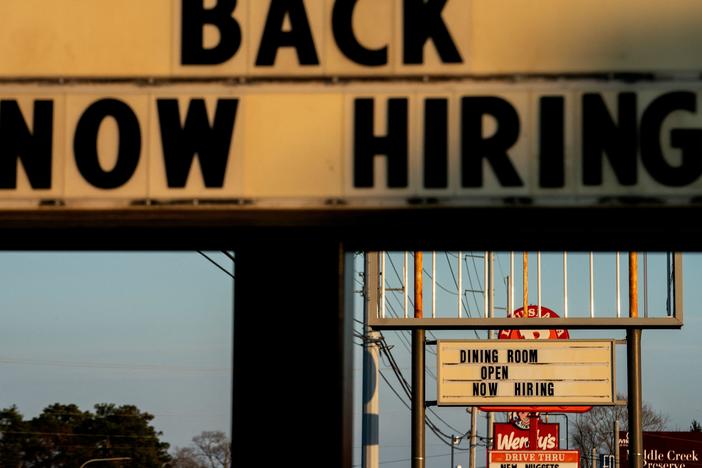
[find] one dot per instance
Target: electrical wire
(475, 269)
(112, 366)
(387, 353)
(70, 434)
(441, 286)
(215, 263)
(408, 392)
(470, 282)
(428, 422)
(405, 340)
(389, 358)
(411, 302)
(462, 296)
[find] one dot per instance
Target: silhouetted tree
(13, 430)
(65, 436)
(185, 458)
(595, 429)
(210, 449)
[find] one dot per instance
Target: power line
(399, 332)
(386, 352)
(441, 286)
(71, 434)
(110, 365)
(411, 302)
(215, 263)
(470, 282)
(408, 392)
(385, 349)
(462, 297)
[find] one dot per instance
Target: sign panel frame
(496, 354)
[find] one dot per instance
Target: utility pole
(453, 443)
(594, 458)
(418, 401)
(490, 291)
(370, 456)
(473, 436)
(633, 353)
(525, 282)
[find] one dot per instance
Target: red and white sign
(534, 459)
(507, 436)
(533, 312)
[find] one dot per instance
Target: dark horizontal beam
(620, 227)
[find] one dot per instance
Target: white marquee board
(271, 126)
(525, 372)
(361, 145)
(369, 38)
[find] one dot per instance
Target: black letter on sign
(195, 17)
(423, 21)
(299, 36)
(211, 144)
(602, 136)
(551, 144)
(33, 149)
(85, 144)
(436, 143)
(475, 147)
(367, 145)
(689, 141)
(342, 25)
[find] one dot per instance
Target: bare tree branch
(595, 429)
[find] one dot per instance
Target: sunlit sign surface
(361, 145)
(533, 372)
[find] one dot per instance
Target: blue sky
(150, 329)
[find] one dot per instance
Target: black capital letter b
(195, 17)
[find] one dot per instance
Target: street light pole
(105, 459)
(455, 440)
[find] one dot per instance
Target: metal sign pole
(473, 436)
(616, 443)
(490, 291)
(633, 353)
(418, 407)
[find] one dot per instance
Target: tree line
(63, 435)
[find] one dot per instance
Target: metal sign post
(633, 353)
(418, 404)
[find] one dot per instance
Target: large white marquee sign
(259, 103)
(302, 145)
(525, 372)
